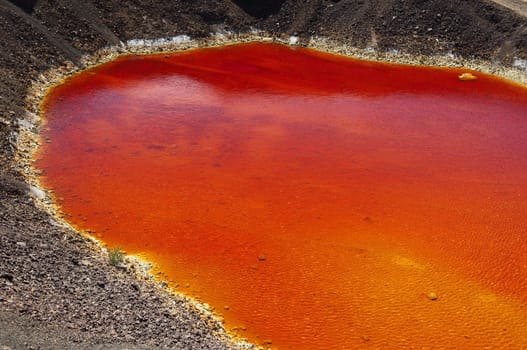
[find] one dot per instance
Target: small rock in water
(432, 296)
(467, 77)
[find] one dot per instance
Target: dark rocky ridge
(56, 290)
(26, 5)
(260, 9)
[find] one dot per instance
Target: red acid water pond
(316, 201)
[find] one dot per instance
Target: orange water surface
(316, 201)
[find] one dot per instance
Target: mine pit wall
(59, 33)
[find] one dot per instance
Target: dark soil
(57, 291)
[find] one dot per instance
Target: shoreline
(29, 140)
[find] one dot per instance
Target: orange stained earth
(315, 201)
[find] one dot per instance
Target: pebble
(84, 262)
(7, 276)
(467, 77)
(432, 296)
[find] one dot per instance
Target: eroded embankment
(29, 142)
